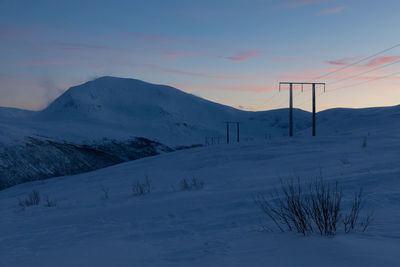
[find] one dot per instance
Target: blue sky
(231, 51)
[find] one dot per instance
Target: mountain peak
(107, 97)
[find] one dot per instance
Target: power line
(308, 100)
(352, 85)
(365, 72)
(359, 74)
(280, 103)
(357, 62)
(368, 81)
(298, 93)
(353, 76)
(267, 100)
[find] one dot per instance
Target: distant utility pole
(227, 132)
(291, 104)
(237, 130)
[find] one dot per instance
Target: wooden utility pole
(313, 111)
(237, 130)
(227, 132)
(291, 104)
(291, 110)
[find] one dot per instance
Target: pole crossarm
(301, 83)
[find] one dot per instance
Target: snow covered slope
(15, 113)
(215, 226)
(110, 113)
(366, 120)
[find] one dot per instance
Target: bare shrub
(105, 191)
(33, 199)
(324, 203)
(142, 188)
(364, 142)
(50, 203)
(317, 210)
(191, 184)
(366, 221)
(351, 219)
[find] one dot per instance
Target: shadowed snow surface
(215, 226)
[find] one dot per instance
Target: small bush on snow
(191, 184)
(33, 199)
(49, 202)
(312, 208)
(105, 191)
(364, 142)
(142, 188)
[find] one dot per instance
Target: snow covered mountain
(111, 120)
(121, 108)
(87, 127)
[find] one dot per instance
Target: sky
(234, 52)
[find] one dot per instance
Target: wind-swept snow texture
(217, 225)
(111, 114)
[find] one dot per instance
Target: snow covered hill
(363, 121)
(217, 225)
(88, 126)
(120, 108)
(85, 128)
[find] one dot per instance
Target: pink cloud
(11, 81)
(339, 63)
(162, 38)
(349, 73)
(156, 68)
(246, 88)
(78, 46)
(381, 60)
(243, 55)
(334, 10)
(310, 74)
(343, 61)
(288, 59)
(38, 63)
(300, 3)
(178, 54)
(10, 32)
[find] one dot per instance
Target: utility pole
(237, 131)
(291, 110)
(291, 104)
(227, 132)
(313, 111)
